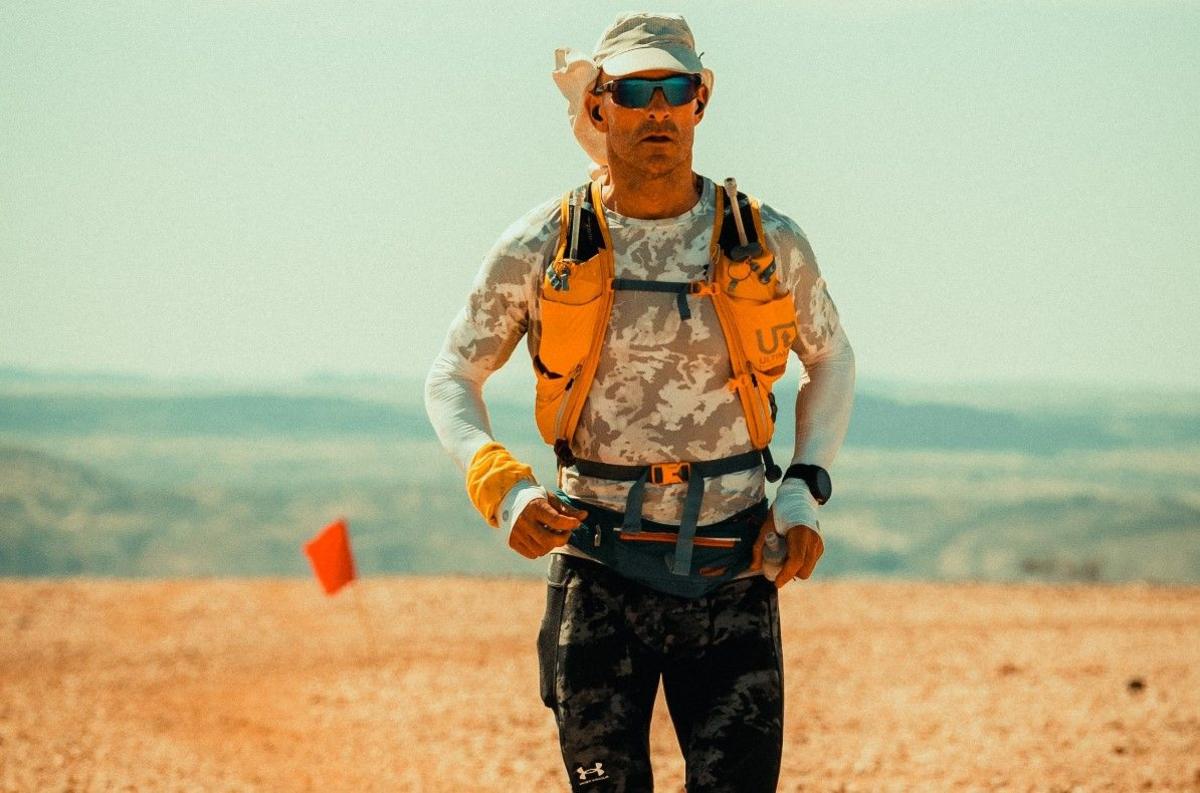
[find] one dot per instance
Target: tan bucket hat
(635, 42)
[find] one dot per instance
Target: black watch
(816, 477)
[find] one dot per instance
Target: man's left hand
(804, 548)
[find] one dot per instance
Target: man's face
(654, 139)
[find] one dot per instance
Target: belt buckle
(670, 473)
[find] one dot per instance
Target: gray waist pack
(718, 552)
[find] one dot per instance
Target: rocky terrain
(430, 684)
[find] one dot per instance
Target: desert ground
(269, 685)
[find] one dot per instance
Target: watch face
(816, 477)
(824, 486)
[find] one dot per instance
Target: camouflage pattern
(603, 645)
(660, 390)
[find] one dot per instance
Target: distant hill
(59, 517)
(22, 374)
(882, 422)
(238, 414)
(157, 478)
(877, 421)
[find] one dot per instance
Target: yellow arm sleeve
(493, 471)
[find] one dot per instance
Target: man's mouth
(657, 138)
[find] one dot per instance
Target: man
(663, 397)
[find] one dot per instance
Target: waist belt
(694, 473)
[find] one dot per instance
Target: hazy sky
(994, 191)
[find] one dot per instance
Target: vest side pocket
(765, 331)
(567, 331)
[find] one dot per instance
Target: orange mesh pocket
(567, 333)
(767, 330)
(583, 281)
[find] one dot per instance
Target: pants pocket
(547, 640)
(776, 630)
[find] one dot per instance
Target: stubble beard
(652, 165)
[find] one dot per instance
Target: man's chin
(656, 163)
(652, 160)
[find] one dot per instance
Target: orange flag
(330, 555)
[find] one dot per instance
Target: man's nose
(658, 103)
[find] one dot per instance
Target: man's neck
(635, 195)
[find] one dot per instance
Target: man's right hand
(543, 525)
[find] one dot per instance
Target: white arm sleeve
(826, 396)
(482, 337)
(454, 401)
(823, 409)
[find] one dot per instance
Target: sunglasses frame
(611, 87)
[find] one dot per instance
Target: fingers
(541, 527)
(791, 565)
(518, 542)
(557, 503)
(795, 557)
(805, 547)
(531, 540)
(756, 554)
(550, 515)
(816, 547)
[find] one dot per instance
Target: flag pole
(365, 619)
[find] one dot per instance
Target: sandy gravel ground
(267, 685)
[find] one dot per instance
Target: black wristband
(816, 477)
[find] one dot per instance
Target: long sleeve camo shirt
(660, 388)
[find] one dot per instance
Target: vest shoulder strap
(590, 240)
(729, 239)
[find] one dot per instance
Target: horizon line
(17, 372)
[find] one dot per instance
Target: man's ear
(595, 116)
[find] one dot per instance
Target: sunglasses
(678, 89)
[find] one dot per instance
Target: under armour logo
(584, 773)
(780, 335)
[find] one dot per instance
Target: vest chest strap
(681, 289)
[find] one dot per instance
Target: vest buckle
(670, 473)
(703, 288)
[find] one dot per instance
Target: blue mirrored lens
(637, 92)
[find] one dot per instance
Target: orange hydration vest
(575, 298)
(757, 316)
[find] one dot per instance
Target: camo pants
(605, 641)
